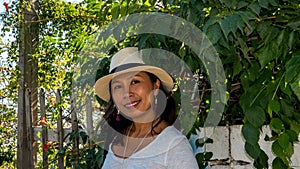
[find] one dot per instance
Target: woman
(141, 115)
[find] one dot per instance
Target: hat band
(125, 66)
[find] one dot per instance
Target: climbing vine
(257, 41)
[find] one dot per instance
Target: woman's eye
(117, 87)
(135, 82)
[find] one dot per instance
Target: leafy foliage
(257, 42)
(7, 136)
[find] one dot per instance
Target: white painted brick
(237, 144)
(296, 156)
(220, 146)
(243, 167)
(219, 167)
(237, 140)
(266, 145)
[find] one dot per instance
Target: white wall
(228, 148)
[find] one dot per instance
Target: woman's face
(133, 94)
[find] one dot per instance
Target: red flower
(44, 122)
(6, 6)
(52, 144)
(47, 145)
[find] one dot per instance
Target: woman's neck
(140, 130)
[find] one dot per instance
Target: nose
(127, 92)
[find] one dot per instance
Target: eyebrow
(114, 81)
(130, 77)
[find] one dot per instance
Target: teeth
(131, 105)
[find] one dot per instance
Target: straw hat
(129, 60)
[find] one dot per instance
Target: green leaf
(273, 2)
(286, 89)
(100, 157)
(244, 47)
(280, 37)
(250, 133)
(266, 54)
(293, 136)
(278, 150)
(246, 17)
(152, 2)
(284, 140)
(263, 159)
(252, 150)
(209, 140)
(278, 164)
(276, 125)
(208, 156)
(211, 21)
(236, 23)
(182, 51)
(256, 116)
(291, 41)
(225, 26)
(274, 105)
(115, 11)
(295, 126)
(200, 157)
(287, 107)
(289, 151)
(292, 68)
(230, 3)
(237, 68)
(296, 87)
(255, 8)
(242, 4)
(294, 25)
(267, 32)
(231, 23)
(214, 33)
(83, 136)
(264, 4)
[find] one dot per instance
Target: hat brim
(102, 84)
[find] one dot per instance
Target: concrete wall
(228, 148)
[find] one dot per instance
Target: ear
(156, 86)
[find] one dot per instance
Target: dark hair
(168, 115)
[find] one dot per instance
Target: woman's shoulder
(171, 132)
(169, 137)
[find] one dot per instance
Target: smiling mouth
(132, 105)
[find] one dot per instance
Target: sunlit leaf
(274, 106)
(278, 164)
(278, 150)
(277, 125)
(283, 140)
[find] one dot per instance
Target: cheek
(144, 92)
(148, 95)
(116, 98)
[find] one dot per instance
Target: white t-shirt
(169, 150)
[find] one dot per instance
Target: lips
(132, 105)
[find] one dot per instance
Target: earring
(155, 103)
(118, 117)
